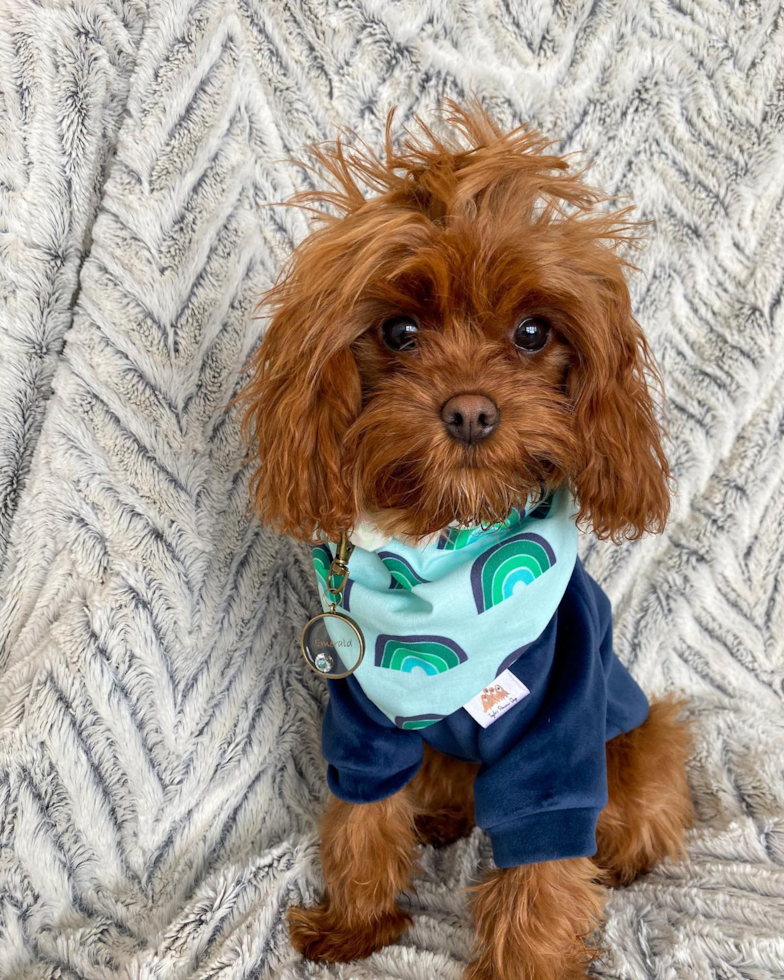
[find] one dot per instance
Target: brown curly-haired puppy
(407, 301)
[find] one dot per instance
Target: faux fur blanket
(160, 772)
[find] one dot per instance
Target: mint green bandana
(443, 620)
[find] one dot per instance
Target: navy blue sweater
(543, 778)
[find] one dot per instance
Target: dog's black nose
(470, 418)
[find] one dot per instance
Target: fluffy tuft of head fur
(467, 234)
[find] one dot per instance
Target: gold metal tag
(332, 644)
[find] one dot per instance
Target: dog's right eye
(400, 332)
(531, 334)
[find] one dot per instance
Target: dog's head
(459, 339)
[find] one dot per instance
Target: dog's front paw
(321, 933)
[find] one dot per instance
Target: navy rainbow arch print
(430, 654)
(455, 538)
(403, 575)
(542, 510)
(520, 559)
(415, 722)
(322, 559)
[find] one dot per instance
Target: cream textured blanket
(160, 773)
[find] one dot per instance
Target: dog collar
(443, 620)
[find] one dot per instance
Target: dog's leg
(532, 922)
(367, 851)
(444, 793)
(649, 802)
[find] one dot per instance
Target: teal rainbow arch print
(403, 575)
(415, 722)
(322, 559)
(517, 561)
(542, 510)
(429, 654)
(455, 538)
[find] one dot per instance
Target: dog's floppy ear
(622, 484)
(303, 395)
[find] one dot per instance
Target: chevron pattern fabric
(160, 770)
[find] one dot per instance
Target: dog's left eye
(531, 334)
(400, 332)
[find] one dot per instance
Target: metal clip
(339, 567)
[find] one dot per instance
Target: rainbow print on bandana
(415, 722)
(429, 655)
(403, 575)
(322, 559)
(455, 538)
(519, 560)
(542, 510)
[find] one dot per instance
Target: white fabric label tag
(496, 699)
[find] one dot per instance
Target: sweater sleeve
(627, 705)
(368, 757)
(541, 792)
